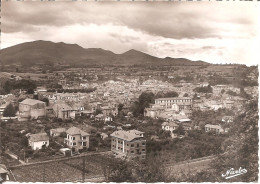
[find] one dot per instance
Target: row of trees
(23, 84)
(207, 89)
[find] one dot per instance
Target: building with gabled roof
(37, 141)
(214, 128)
(64, 111)
(77, 139)
(128, 144)
(32, 109)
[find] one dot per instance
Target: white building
(37, 141)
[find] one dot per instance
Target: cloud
(214, 32)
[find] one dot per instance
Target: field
(69, 170)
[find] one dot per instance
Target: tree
(143, 101)
(243, 143)
(9, 111)
(46, 100)
(171, 94)
(118, 171)
(120, 107)
(186, 95)
(151, 171)
(30, 91)
(179, 130)
(98, 111)
(207, 89)
(24, 141)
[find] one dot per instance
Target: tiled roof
(213, 126)
(171, 124)
(58, 130)
(127, 135)
(76, 131)
(29, 101)
(39, 137)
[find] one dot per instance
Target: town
(68, 123)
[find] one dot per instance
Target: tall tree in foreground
(9, 111)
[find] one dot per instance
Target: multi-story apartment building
(76, 139)
(128, 144)
(182, 102)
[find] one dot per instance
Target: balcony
(66, 139)
(85, 140)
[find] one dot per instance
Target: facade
(128, 144)
(2, 108)
(76, 139)
(57, 131)
(153, 112)
(170, 126)
(32, 109)
(37, 141)
(182, 102)
(64, 111)
(214, 128)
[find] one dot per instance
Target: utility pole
(43, 174)
(83, 169)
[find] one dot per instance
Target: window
(132, 145)
(84, 138)
(143, 143)
(137, 145)
(73, 138)
(132, 151)
(74, 144)
(143, 150)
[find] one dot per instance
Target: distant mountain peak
(132, 51)
(48, 52)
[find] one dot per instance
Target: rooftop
(38, 137)
(29, 101)
(76, 131)
(127, 135)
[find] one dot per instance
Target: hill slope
(46, 52)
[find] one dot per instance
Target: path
(14, 156)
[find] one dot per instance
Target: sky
(215, 32)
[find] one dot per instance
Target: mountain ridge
(47, 52)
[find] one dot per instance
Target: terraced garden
(62, 171)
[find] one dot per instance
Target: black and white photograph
(129, 91)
